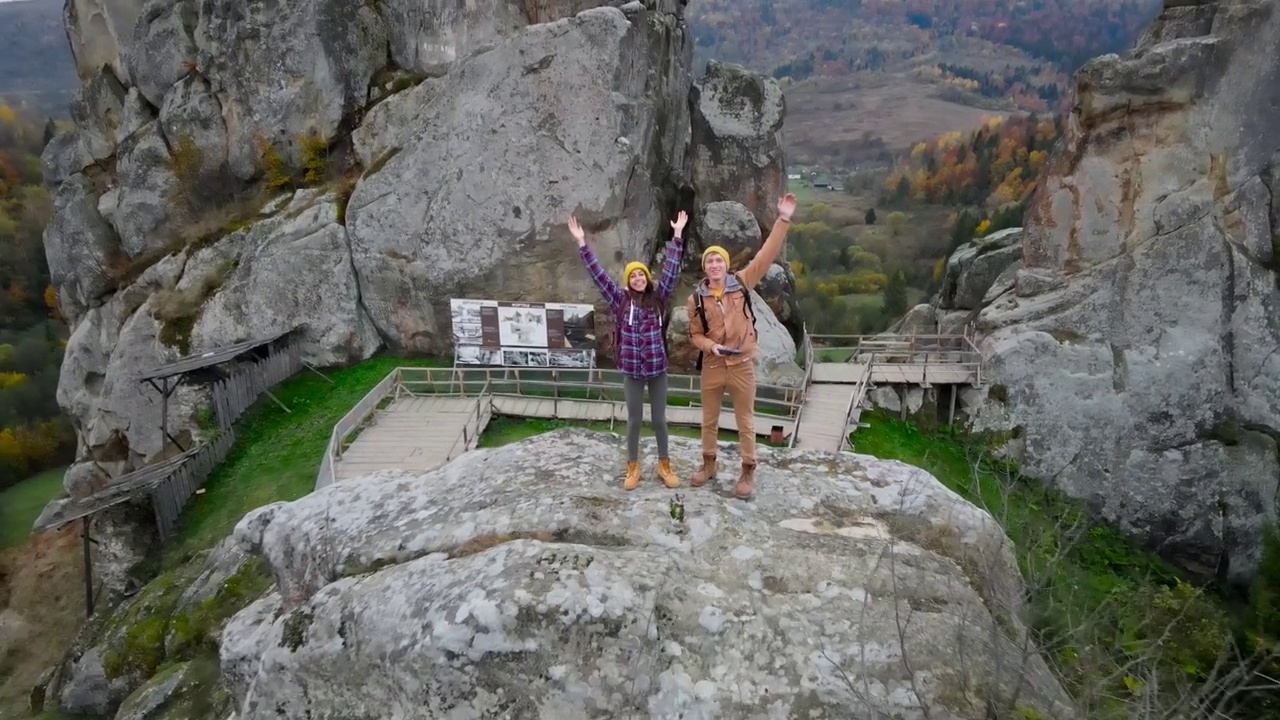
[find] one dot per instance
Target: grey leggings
(634, 388)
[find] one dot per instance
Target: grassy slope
(277, 453)
(21, 504)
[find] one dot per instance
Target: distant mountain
(36, 67)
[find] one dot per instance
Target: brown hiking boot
(633, 476)
(708, 471)
(746, 482)
(667, 475)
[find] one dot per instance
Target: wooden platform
(607, 411)
(886, 373)
(413, 433)
(421, 433)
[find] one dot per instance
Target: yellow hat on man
(632, 267)
(718, 251)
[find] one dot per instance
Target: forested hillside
(862, 257)
(34, 435)
(798, 37)
(36, 68)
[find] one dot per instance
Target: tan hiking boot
(746, 482)
(666, 474)
(633, 476)
(708, 471)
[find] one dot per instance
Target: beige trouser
(740, 380)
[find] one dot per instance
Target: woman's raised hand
(576, 230)
(679, 223)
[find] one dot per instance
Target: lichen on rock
(523, 582)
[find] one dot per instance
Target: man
(722, 327)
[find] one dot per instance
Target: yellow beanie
(632, 267)
(718, 251)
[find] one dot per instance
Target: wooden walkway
(843, 373)
(412, 433)
(420, 433)
(832, 408)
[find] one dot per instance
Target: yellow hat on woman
(718, 251)
(632, 267)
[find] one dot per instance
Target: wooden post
(88, 568)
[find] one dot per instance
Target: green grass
(21, 504)
(1093, 592)
(503, 430)
(277, 454)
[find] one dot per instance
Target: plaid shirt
(642, 351)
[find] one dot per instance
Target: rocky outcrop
(524, 596)
(739, 173)
(235, 173)
(1133, 357)
(976, 274)
(154, 657)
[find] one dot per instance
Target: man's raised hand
(786, 206)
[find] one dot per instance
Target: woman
(638, 314)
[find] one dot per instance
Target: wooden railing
(855, 402)
(351, 422)
(807, 347)
(595, 384)
(773, 402)
(482, 409)
(954, 351)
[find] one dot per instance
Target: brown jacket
(727, 321)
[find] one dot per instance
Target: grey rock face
(483, 204)
(730, 225)
(302, 241)
(737, 124)
(465, 179)
(974, 268)
(503, 593)
(1136, 351)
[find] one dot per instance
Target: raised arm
(671, 264)
(755, 270)
(608, 288)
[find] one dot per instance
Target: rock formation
(345, 170)
(1132, 358)
(521, 582)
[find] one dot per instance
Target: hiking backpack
(702, 314)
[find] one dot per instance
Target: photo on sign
(523, 326)
(475, 355)
(465, 311)
(571, 358)
(574, 326)
(524, 358)
(468, 333)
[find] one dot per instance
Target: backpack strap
(702, 314)
(746, 305)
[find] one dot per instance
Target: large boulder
(1133, 358)
(456, 204)
(737, 140)
(522, 582)
(739, 172)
